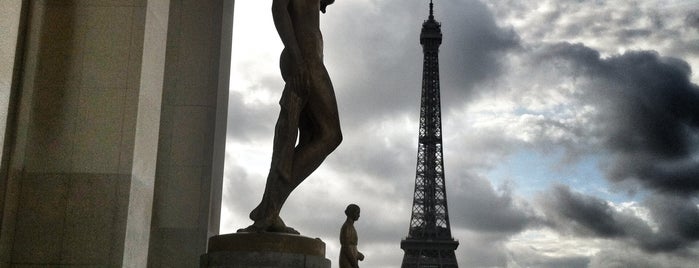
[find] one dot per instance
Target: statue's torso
(348, 235)
(305, 16)
(348, 242)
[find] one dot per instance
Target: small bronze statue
(308, 108)
(349, 255)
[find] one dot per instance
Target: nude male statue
(308, 107)
(349, 255)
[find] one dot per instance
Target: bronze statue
(308, 107)
(349, 255)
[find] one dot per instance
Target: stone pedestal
(264, 250)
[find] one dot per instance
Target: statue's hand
(300, 81)
(360, 256)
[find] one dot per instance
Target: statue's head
(324, 4)
(352, 211)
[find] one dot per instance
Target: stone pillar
(115, 142)
(192, 132)
(12, 15)
(10, 18)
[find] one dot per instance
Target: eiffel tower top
(431, 30)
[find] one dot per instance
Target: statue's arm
(285, 28)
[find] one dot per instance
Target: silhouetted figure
(308, 107)
(349, 255)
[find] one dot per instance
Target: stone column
(115, 147)
(10, 18)
(192, 132)
(11, 35)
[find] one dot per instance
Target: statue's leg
(279, 179)
(266, 215)
(319, 126)
(267, 210)
(320, 132)
(269, 205)
(285, 137)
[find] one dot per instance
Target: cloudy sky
(571, 129)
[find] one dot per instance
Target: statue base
(264, 250)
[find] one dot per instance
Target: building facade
(112, 129)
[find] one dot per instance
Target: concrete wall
(116, 156)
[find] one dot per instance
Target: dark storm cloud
(237, 184)
(677, 220)
(649, 114)
(371, 155)
(678, 217)
(586, 215)
(375, 58)
(249, 122)
(472, 49)
(474, 204)
(692, 20)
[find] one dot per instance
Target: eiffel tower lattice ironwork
(429, 242)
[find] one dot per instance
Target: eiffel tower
(429, 242)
